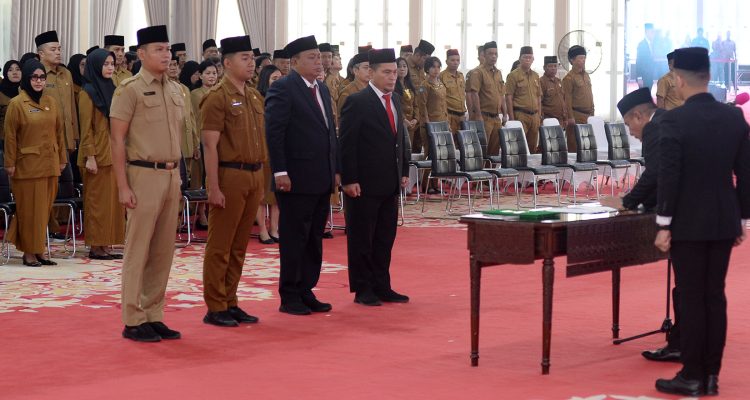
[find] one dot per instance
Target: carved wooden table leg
(476, 278)
(548, 282)
(615, 303)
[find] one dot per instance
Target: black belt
(456, 113)
(490, 115)
(241, 166)
(168, 165)
(582, 111)
(525, 111)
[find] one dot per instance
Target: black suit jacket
(371, 154)
(703, 143)
(644, 63)
(299, 142)
(644, 192)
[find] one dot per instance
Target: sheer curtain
(258, 17)
(104, 16)
(32, 17)
(157, 12)
(195, 21)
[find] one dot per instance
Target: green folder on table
(525, 215)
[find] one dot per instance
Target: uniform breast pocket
(179, 103)
(153, 109)
(522, 88)
(236, 117)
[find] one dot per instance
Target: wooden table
(593, 243)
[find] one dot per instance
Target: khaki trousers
(531, 124)
(492, 127)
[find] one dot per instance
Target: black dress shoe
(390, 296)
(115, 256)
(95, 256)
(34, 263)
(328, 235)
(220, 318)
(241, 316)
(662, 354)
(680, 385)
(317, 306)
(274, 238)
(367, 299)
(265, 241)
(163, 331)
(141, 333)
(295, 309)
(46, 261)
(712, 385)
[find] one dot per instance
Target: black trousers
(701, 270)
(673, 336)
(302, 220)
(370, 232)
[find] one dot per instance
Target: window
(228, 21)
(132, 18)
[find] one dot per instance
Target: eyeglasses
(38, 78)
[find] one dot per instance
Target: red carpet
(415, 351)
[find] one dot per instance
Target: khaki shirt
(349, 90)
(60, 87)
(525, 89)
(155, 110)
(434, 97)
(196, 96)
(342, 85)
(455, 87)
(94, 133)
(667, 90)
(553, 103)
(239, 118)
(578, 94)
(121, 73)
(488, 82)
(191, 133)
(333, 81)
(34, 137)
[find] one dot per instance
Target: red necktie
(388, 111)
(314, 93)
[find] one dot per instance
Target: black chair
(618, 146)
(514, 154)
(585, 135)
(478, 126)
(555, 152)
(440, 126)
(471, 151)
(444, 166)
(69, 197)
(7, 205)
(189, 196)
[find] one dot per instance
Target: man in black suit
(642, 118)
(302, 145)
(375, 165)
(644, 63)
(701, 213)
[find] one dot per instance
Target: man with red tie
(374, 168)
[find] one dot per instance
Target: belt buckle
(170, 165)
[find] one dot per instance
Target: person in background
(667, 96)
(405, 51)
(553, 101)
(407, 95)
(180, 50)
(523, 95)
(281, 60)
(361, 70)
(105, 217)
(9, 88)
(644, 62)
(455, 85)
(76, 66)
(27, 57)
(729, 53)
(189, 74)
(434, 93)
(35, 154)
(210, 50)
(486, 91)
(268, 234)
(260, 63)
(579, 97)
(209, 77)
(116, 44)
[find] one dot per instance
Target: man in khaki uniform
(415, 62)
(146, 119)
(486, 89)
(553, 103)
(59, 84)
(116, 44)
(361, 77)
(190, 140)
(210, 50)
(667, 96)
(235, 149)
(333, 79)
(578, 95)
(523, 96)
(455, 88)
(469, 99)
(180, 50)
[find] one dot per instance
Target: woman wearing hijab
(105, 218)
(8, 89)
(189, 75)
(35, 154)
(76, 65)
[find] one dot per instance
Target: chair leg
(424, 198)
(557, 185)
(187, 222)
(535, 183)
(518, 194)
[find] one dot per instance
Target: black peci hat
(550, 60)
(633, 99)
(426, 47)
(208, 44)
(236, 44)
(46, 37)
(114, 40)
(692, 59)
(152, 34)
(299, 45)
(381, 56)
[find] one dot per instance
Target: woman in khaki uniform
(405, 88)
(77, 65)
(208, 79)
(105, 217)
(8, 89)
(433, 93)
(268, 235)
(35, 154)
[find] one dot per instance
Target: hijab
(7, 87)
(188, 70)
(26, 71)
(75, 70)
(27, 57)
(99, 88)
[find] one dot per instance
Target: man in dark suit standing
(644, 63)
(302, 145)
(642, 118)
(375, 165)
(701, 215)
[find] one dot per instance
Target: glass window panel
(5, 21)
(342, 29)
(398, 24)
(228, 21)
(510, 33)
(442, 29)
(478, 30)
(132, 17)
(371, 23)
(542, 32)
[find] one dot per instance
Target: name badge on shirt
(236, 103)
(149, 93)
(34, 110)
(50, 85)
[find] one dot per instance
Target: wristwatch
(664, 227)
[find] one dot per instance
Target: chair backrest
(472, 157)
(442, 153)
(618, 145)
(478, 127)
(586, 141)
(554, 145)
(550, 122)
(514, 150)
(441, 126)
(598, 124)
(518, 124)
(5, 193)
(66, 188)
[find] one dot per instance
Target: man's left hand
(663, 240)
